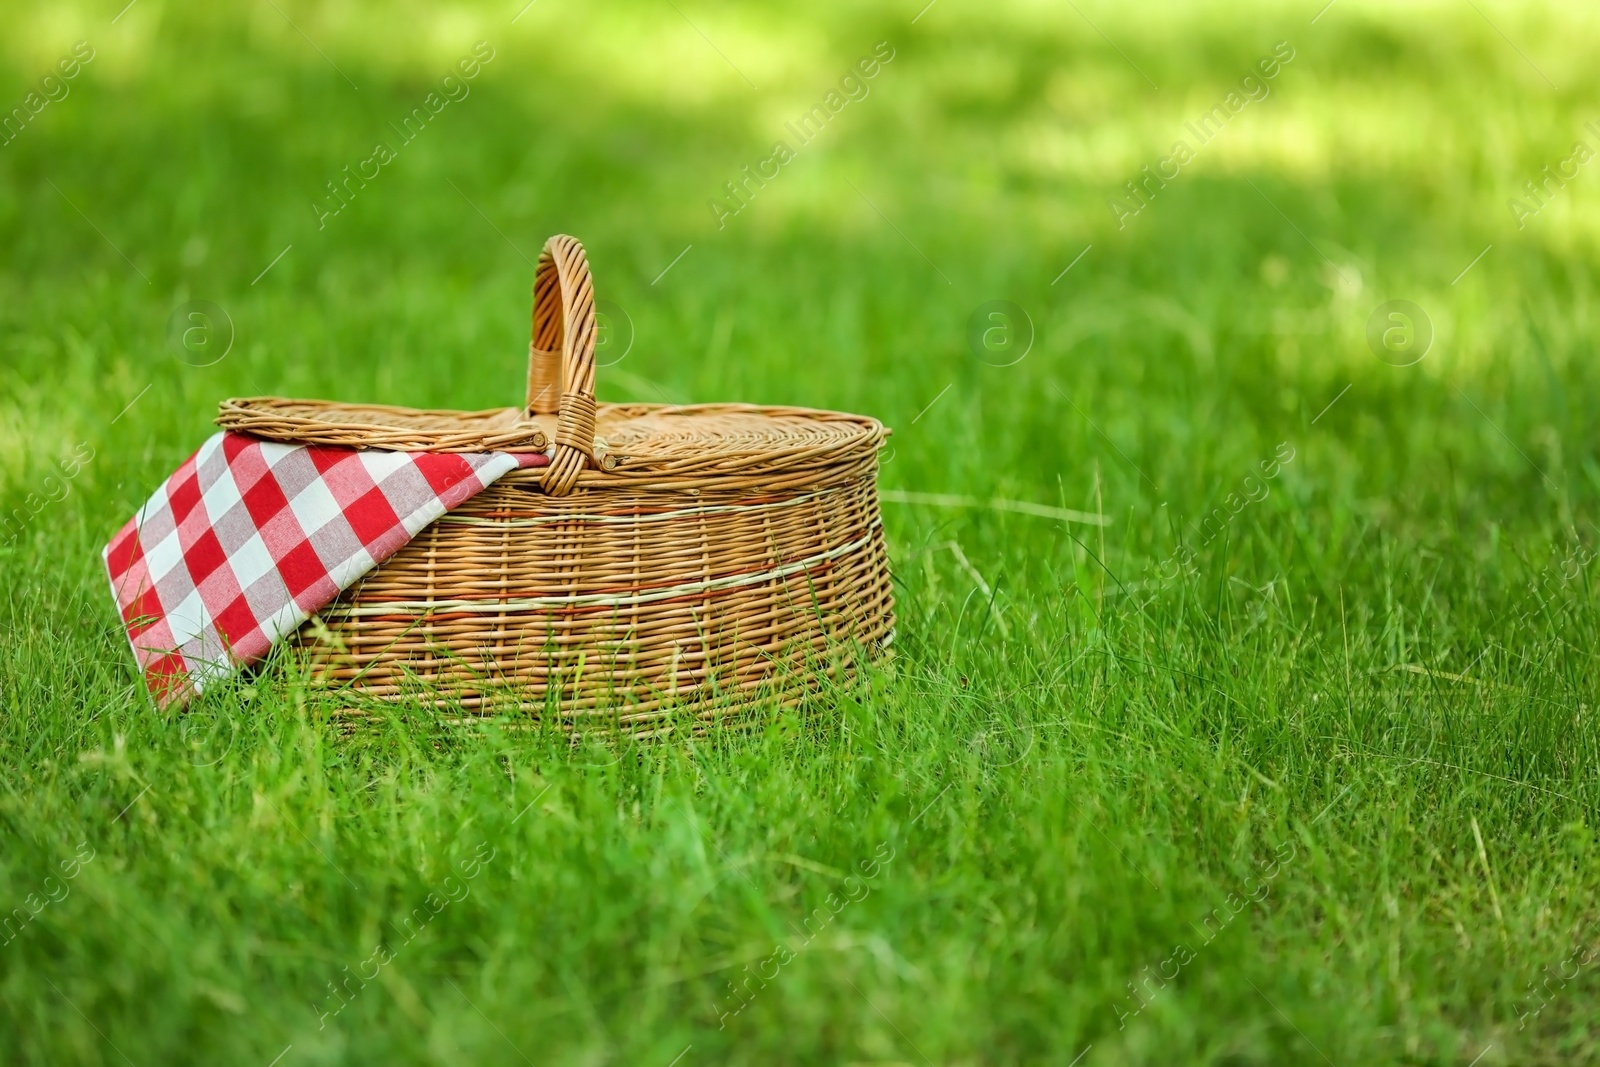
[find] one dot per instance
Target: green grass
(1369, 700)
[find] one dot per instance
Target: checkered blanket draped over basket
(248, 539)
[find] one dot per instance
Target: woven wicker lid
(594, 445)
(632, 441)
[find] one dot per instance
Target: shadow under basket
(673, 565)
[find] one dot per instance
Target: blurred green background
(1384, 663)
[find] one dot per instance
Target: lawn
(1263, 731)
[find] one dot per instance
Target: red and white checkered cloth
(249, 538)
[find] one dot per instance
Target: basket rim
(847, 438)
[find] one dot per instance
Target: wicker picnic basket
(672, 565)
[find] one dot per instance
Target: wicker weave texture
(622, 605)
(672, 564)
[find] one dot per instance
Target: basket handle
(561, 358)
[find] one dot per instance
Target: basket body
(621, 608)
(672, 566)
